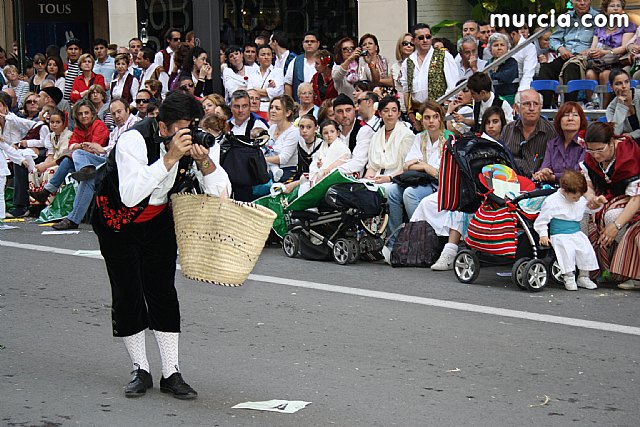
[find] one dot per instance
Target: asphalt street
(368, 345)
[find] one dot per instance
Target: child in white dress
(560, 218)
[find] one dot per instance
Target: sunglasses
(176, 39)
(406, 43)
(187, 86)
(31, 101)
(142, 101)
(425, 37)
(348, 48)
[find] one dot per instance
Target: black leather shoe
(40, 196)
(139, 384)
(65, 224)
(84, 173)
(176, 386)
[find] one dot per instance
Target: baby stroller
(475, 171)
(339, 218)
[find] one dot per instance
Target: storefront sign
(57, 10)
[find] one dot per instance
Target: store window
(243, 20)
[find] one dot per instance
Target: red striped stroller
(474, 172)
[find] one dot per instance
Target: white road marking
(452, 305)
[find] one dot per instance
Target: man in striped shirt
(72, 67)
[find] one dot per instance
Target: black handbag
(414, 179)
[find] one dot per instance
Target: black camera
(200, 137)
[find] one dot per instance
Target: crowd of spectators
(348, 108)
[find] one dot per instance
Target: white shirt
(233, 81)
(116, 92)
(309, 71)
(7, 151)
(258, 80)
(434, 154)
(286, 146)
(117, 131)
(360, 154)
(281, 60)
(163, 78)
(465, 73)
(527, 60)
(137, 180)
(421, 75)
(242, 128)
(557, 206)
(159, 59)
(508, 111)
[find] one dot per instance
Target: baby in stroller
(562, 213)
(261, 136)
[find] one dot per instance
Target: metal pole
(412, 14)
(495, 64)
(18, 18)
(206, 27)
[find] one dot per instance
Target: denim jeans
(85, 190)
(410, 198)
(65, 168)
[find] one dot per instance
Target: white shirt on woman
(286, 145)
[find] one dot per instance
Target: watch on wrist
(204, 165)
(618, 226)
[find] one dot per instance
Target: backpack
(417, 245)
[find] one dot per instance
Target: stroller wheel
(343, 251)
(291, 245)
(466, 266)
(536, 275)
(517, 272)
(555, 273)
(355, 246)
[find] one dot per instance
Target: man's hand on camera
(179, 146)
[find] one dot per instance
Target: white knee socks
(168, 344)
(135, 345)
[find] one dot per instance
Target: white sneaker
(570, 283)
(585, 282)
(445, 262)
(629, 285)
(386, 253)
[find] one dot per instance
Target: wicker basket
(219, 240)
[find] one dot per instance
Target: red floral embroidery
(116, 218)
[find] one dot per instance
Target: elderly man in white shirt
(467, 59)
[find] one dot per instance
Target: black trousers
(141, 263)
(21, 182)
(551, 71)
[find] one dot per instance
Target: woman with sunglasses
(345, 70)
(404, 48)
(124, 85)
(55, 71)
(40, 65)
(30, 108)
(613, 176)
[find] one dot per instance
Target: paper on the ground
(61, 232)
(7, 227)
(87, 253)
(284, 406)
(503, 274)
